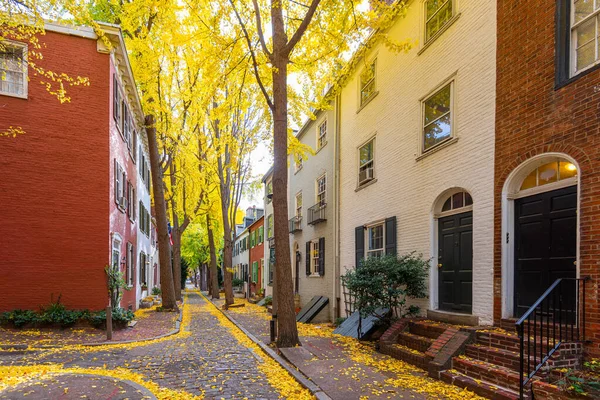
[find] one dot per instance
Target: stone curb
(25, 347)
(299, 376)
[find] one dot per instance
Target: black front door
(455, 263)
(545, 244)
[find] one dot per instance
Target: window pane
(458, 200)
(530, 181)
(447, 205)
(437, 105)
(567, 170)
(548, 173)
(586, 47)
(583, 8)
(437, 132)
(366, 153)
(468, 199)
(376, 237)
(438, 13)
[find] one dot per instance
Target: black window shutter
(563, 41)
(115, 98)
(308, 257)
(390, 235)
(322, 256)
(359, 234)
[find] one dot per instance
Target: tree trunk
(175, 234)
(227, 252)
(164, 247)
(287, 331)
(214, 275)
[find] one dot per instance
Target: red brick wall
(533, 118)
(256, 254)
(54, 185)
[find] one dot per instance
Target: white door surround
(511, 192)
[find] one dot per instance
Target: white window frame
(450, 82)
(362, 101)
(372, 162)
(298, 212)
(314, 257)
(322, 137)
(322, 201)
(116, 248)
(270, 226)
(573, 28)
(24, 49)
(442, 28)
(297, 163)
(129, 257)
(368, 251)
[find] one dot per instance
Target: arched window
(549, 173)
(456, 201)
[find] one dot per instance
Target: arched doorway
(540, 229)
(454, 215)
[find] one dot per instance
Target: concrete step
(415, 342)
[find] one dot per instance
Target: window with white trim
(299, 205)
(130, 263)
(270, 226)
(314, 257)
(322, 139)
(437, 117)
(585, 29)
(13, 69)
(457, 201)
(437, 14)
(116, 252)
(366, 157)
(375, 240)
(368, 82)
(322, 190)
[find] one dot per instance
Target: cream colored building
(417, 152)
(311, 202)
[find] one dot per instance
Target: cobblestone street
(204, 360)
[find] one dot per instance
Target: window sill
(437, 148)
(439, 33)
(314, 276)
(361, 187)
(575, 77)
(297, 170)
(18, 96)
(320, 148)
(367, 101)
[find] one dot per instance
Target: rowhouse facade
(546, 155)
(311, 212)
(417, 151)
(72, 179)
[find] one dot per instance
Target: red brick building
(547, 159)
(256, 236)
(75, 187)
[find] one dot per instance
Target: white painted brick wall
(408, 188)
(305, 180)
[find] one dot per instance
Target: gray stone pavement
(208, 361)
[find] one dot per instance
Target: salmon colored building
(257, 253)
(75, 186)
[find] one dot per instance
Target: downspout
(336, 202)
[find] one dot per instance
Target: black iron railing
(316, 213)
(557, 317)
(296, 224)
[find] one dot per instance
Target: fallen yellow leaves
(277, 376)
(14, 375)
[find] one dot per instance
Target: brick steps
(507, 341)
(485, 371)
(480, 387)
(415, 342)
(427, 329)
(416, 358)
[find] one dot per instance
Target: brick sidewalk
(347, 369)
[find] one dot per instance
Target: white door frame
(510, 192)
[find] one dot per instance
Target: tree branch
(259, 29)
(302, 28)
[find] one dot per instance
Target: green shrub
(57, 313)
(156, 291)
(385, 283)
(20, 318)
(120, 317)
(339, 321)
(268, 301)
(237, 282)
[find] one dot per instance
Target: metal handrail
(573, 327)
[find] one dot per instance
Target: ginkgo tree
(311, 40)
